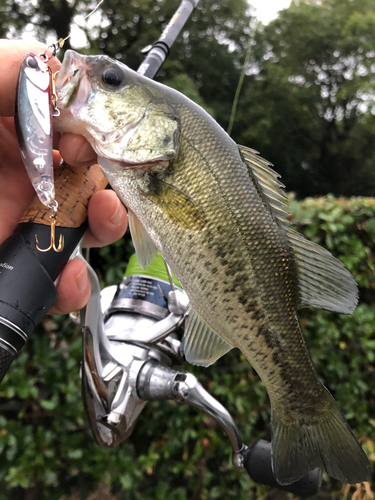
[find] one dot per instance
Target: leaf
(75, 454)
(49, 404)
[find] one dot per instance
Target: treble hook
(53, 244)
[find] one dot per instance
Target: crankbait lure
(33, 117)
(35, 107)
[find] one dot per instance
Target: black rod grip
(258, 465)
(27, 289)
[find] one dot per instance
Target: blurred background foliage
(307, 104)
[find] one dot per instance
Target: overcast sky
(266, 10)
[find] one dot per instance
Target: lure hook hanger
(60, 246)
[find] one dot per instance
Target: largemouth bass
(217, 213)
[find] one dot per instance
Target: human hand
(106, 214)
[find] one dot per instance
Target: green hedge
(176, 452)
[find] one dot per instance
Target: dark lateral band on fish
(218, 215)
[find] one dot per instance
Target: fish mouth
(69, 81)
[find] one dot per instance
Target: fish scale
(217, 214)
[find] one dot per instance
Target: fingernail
(117, 216)
(81, 279)
(85, 153)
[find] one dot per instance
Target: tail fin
(325, 442)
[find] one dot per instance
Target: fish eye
(113, 77)
(31, 62)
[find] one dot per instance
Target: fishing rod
(132, 333)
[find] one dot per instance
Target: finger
(56, 158)
(73, 288)
(16, 191)
(76, 151)
(56, 139)
(108, 219)
(13, 52)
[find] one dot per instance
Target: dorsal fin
(267, 182)
(323, 281)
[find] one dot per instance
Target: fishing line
(240, 81)
(55, 47)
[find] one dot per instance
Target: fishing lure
(34, 111)
(35, 107)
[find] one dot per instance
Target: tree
(309, 106)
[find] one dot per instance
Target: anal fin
(323, 280)
(201, 345)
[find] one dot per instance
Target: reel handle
(257, 462)
(27, 275)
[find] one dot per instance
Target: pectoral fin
(201, 345)
(144, 247)
(176, 205)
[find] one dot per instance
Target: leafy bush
(176, 452)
